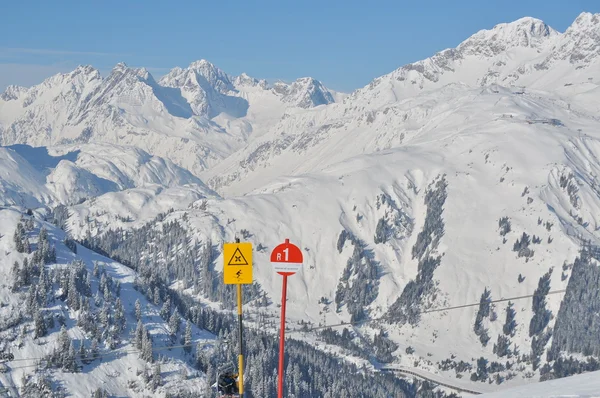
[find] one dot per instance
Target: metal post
(241, 355)
(282, 337)
(241, 338)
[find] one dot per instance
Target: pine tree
(25, 277)
(16, 273)
(96, 270)
(147, 346)
(188, 337)
(502, 346)
(88, 284)
(19, 244)
(51, 255)
(31, 304)
(138, 310)
(102, 284)
(40, 329)
(19, 237)
(94, 349)
(156, 376)
(64, 341)
(174, 322)
(119, 315)
(69, 362)
(510, 324)
(483, 312)
(73, 294)
(381, 231)
(43, 234)
(156, 296)
(26, 245)
(541, 315)
(104, 316)
(166, 309)
(113, 338)
(139, 334)
(81, 353)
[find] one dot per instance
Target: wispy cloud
(48, 51)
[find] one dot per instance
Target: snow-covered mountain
(194, 116)
(471, 175)
(69, 174)
(523, 59)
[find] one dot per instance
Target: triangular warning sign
(237, 258)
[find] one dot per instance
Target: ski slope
(580, 386)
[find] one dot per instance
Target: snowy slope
(581, 386)
(72, 173)
(20, 183)
(117, 374)
(313, 209)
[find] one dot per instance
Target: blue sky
(343, 43)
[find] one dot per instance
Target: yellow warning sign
(237, 267)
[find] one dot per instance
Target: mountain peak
(245, 80)
(213, 75)
(12, 92)
(585, 20)
(124, 69)
(579, 43)
(203, 64)
(200, 63)
(85, 69)
(525, 32)
(121, 66)
(305, 92)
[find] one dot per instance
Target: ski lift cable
(388, 317)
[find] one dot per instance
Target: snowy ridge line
(383, 318)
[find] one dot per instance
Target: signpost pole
(237, 270)
(286, 259)
(241, 353)
(241, 338)
(282, 337)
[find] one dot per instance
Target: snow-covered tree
(165, 311)
(139, 335)
(156, 376)
(187, 340)
(147, 349)
(510, 324)
(39, 329)
(138, 310)
(174, 323)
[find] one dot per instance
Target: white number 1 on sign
(287, 253)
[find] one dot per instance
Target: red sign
(286, 258)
